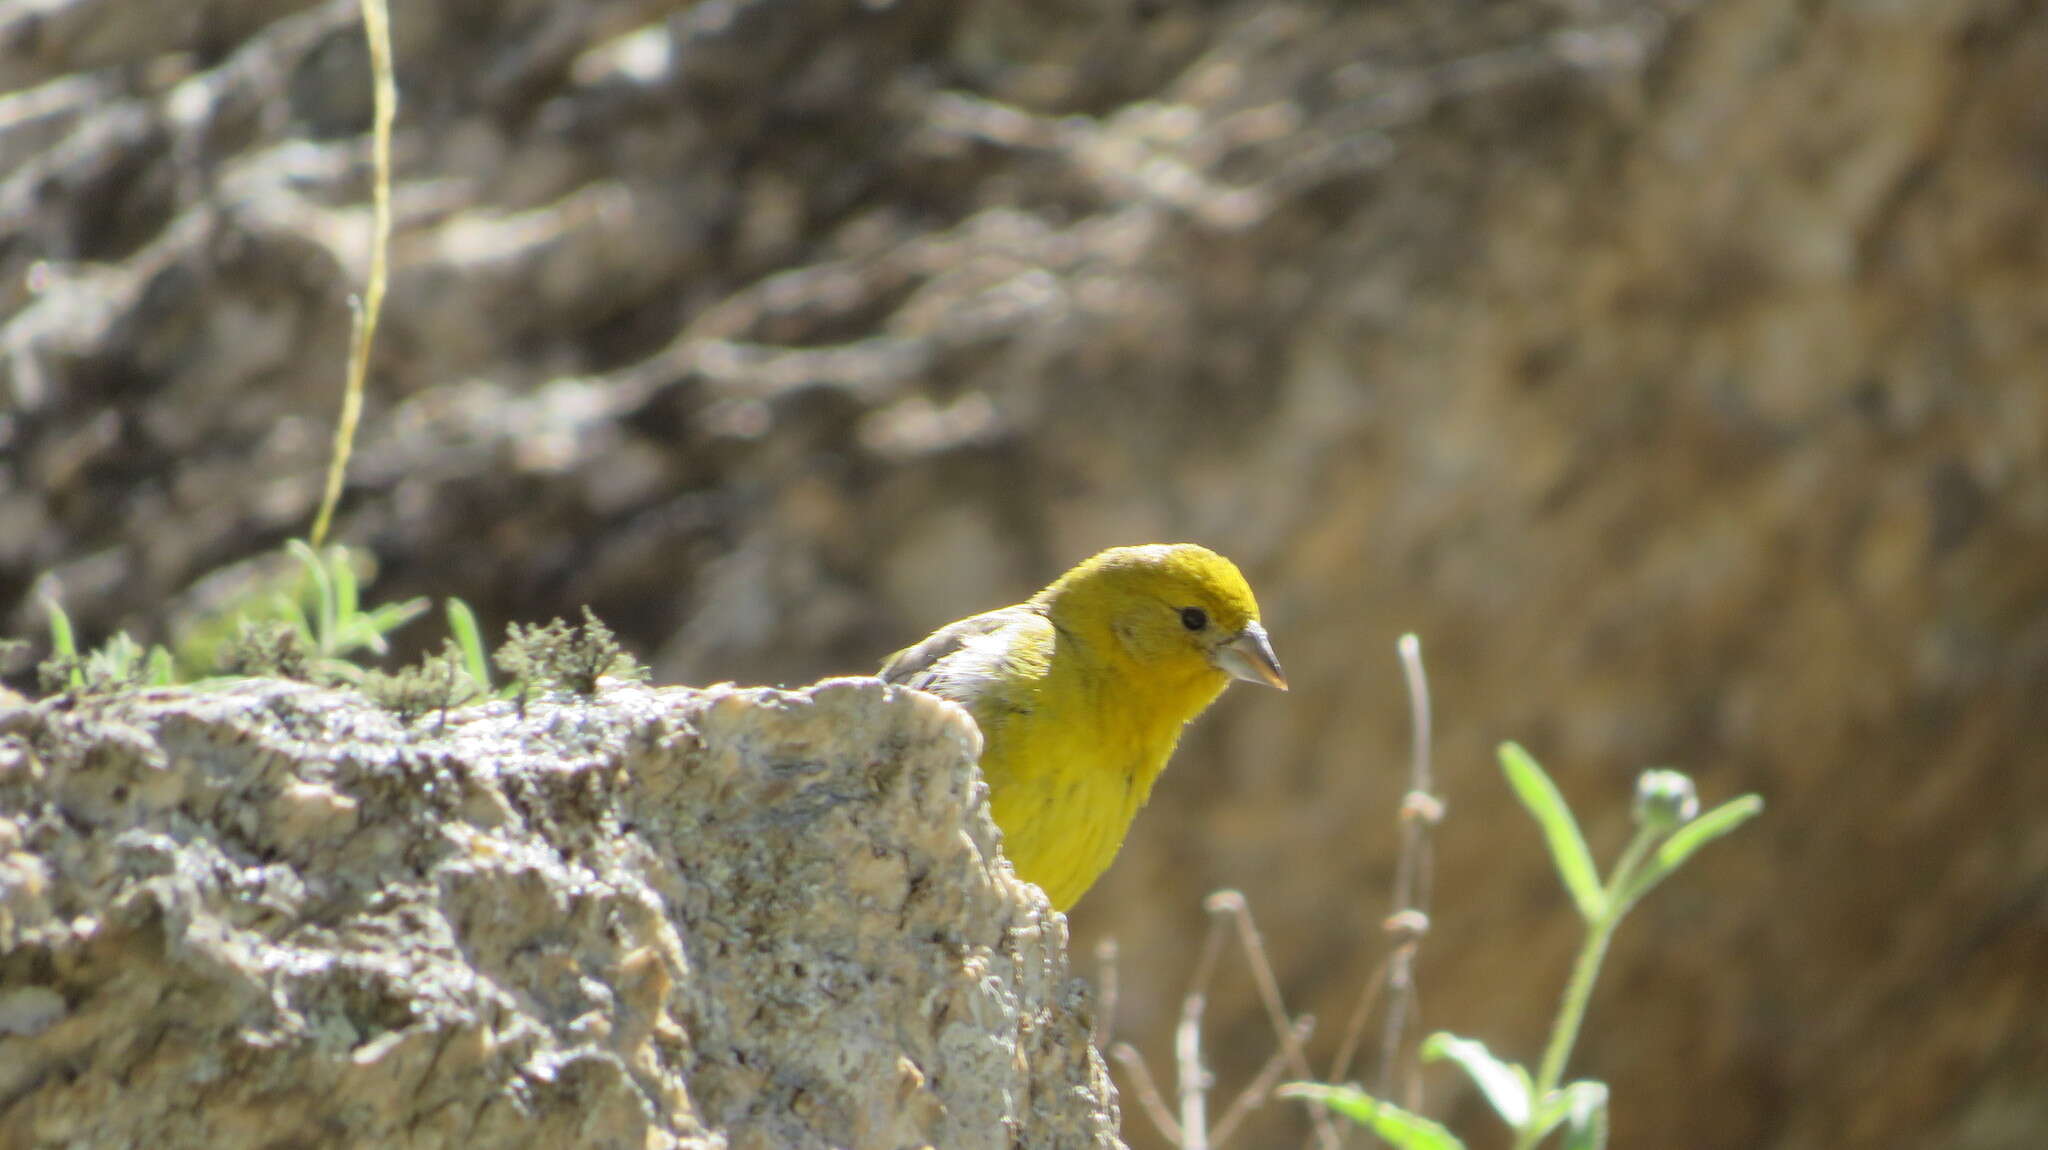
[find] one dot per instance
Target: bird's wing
(970, 661)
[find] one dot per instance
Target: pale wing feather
(976, 660)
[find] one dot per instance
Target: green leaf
(1560, 829)
(324, 619)
(288, 608)
(342, 574)
(462, 624)
(1706, 828)
(1395, 1126)
(161, 670)
(1506, 1085)
(383, 619)
(63, 645)
(1688, 839)
(63, 640)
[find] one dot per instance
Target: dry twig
(1421, 810)
(1391, 986)
(384, 90)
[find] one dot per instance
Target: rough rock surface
(270, 915)
(1678, 371)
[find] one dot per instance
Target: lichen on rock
(272, 915)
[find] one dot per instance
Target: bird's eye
(1194, 618)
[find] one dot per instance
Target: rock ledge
(272, 915)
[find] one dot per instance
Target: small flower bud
(1665, 800)
(1423, 807)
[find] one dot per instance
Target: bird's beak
(1250, 657)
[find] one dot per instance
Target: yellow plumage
(1082, 691)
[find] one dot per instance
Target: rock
(270, 914)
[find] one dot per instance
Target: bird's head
(1177, 608)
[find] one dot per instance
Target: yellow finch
(1081, 693)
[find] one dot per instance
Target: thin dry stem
(1212, 944)
(1150, 1099)
(1361, 1014)
(1191, 1129)
(1421, 810)
(1193, 1077)
(384, 90)
(1106, 979)
(1232, 905)
(1260, 1087)
(1411, 1094)
(1393, 979)
(1146, 1090)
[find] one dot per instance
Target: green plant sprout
(311, 629)
(314, 628)
(469, 640)
(1669, 830)
(338, 626)
(121, 662)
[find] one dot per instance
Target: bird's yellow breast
(1071, 759)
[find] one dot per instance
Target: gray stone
(271, 915)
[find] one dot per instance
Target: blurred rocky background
(1677, 371)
